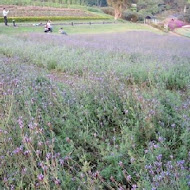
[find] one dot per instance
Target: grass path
(61, 77)
(82, 29)
(183, 32)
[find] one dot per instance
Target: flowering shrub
(175, 24)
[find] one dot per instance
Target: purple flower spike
(128, 178)
(41, 177)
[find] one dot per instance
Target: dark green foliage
(38, 19)
(132, 16)
(108, 10)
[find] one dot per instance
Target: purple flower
(156, 146)
(31, 126)
(68, 140)
(67, 158)
(134, 187)
(16, 151)
(61, 161)
(148, 167)
(57, 155)
(37, 185)
(57, 182)
(146, 151)
(96, 174)
(26, 153)
(159, 157)
(48, 156)
(5, 180)
(121, 164)
(20, 122)
(40, 143)
(169, 165)
(181, 164)
(158, 164)
(38, 152)
(128, 178)
(24, 170)
(132, 159)
(26, 139)
(160, 139)
(40, 177)
(44, 167)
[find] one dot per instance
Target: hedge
(58, 18)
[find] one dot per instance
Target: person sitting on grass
(61, 31)
(48, 27)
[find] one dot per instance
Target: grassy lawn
(81, 29)
(183, 31)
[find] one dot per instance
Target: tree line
(121, 5)
(118, 5)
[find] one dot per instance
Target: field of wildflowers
(104, 111)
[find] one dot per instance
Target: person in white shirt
(5, 13)
(48, 27)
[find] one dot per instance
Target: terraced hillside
(37, 11)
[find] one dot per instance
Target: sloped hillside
(37, 11)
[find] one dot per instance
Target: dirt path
(71, 80)
(174, 34)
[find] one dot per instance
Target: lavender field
(95, 111)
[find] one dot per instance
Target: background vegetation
(161, 8)
(62, 3)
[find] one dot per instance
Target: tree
(119, 6)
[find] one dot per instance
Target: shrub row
(57, 18)
(108, 10)
(132, 16)
(126, 15)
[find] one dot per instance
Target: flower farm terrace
(38, 11)
(94, 111)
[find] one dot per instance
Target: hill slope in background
(56, 3)
(37, 11)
